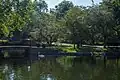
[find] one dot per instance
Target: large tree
(40, 6)
(76, 24)
(101, 22)
(47, 28)
(114, 5)
(62, 8)
(14, 15)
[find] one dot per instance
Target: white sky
(52, 3)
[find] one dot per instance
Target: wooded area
(69, 23)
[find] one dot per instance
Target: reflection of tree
(111, 72)
(65, 62)
(89, 71)
(12, 70)
(43, 67)
(12, 73)
(46, 68)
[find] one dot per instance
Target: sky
(52, 3)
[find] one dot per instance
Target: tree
(40, 6)
(48, 29)
(114, 5)
(76, 24)
(14, 15)
(101, 23)
(62, 8)
(5, 10)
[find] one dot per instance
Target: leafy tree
(115, 6)
(14, 15)
(75, 24)
(48, 29)
(101, 22)
(40, 6)
(62, 8)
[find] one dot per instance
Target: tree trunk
(49, 43)
(93, 41)
(81, 43)
(78, 45)
(74, 45)
(105, 41)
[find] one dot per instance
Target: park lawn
(67, 49)
(81, 49)
(71, 49)
(3, 41)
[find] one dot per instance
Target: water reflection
(61, 68)
(47, 77)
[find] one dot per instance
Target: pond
(59, 68)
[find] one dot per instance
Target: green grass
(81, 49)
(67, 49)
(70, 48)
(3, 41)
(100, 43)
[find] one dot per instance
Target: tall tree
(115, 6)
(14, 15)
(75, 24)
(40, 6)
(101, 23)
(63, 7)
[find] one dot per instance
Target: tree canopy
(65, 22)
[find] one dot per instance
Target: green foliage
(68, 49)
(64, 23)
(63, 7)
(13, 17)
(99, 21)
(40, 6)
(46, 28)
(76, 25)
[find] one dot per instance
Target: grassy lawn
(81, 49)
(67, 49)
(3, 41)
(64, 47)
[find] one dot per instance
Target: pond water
(61, 68)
